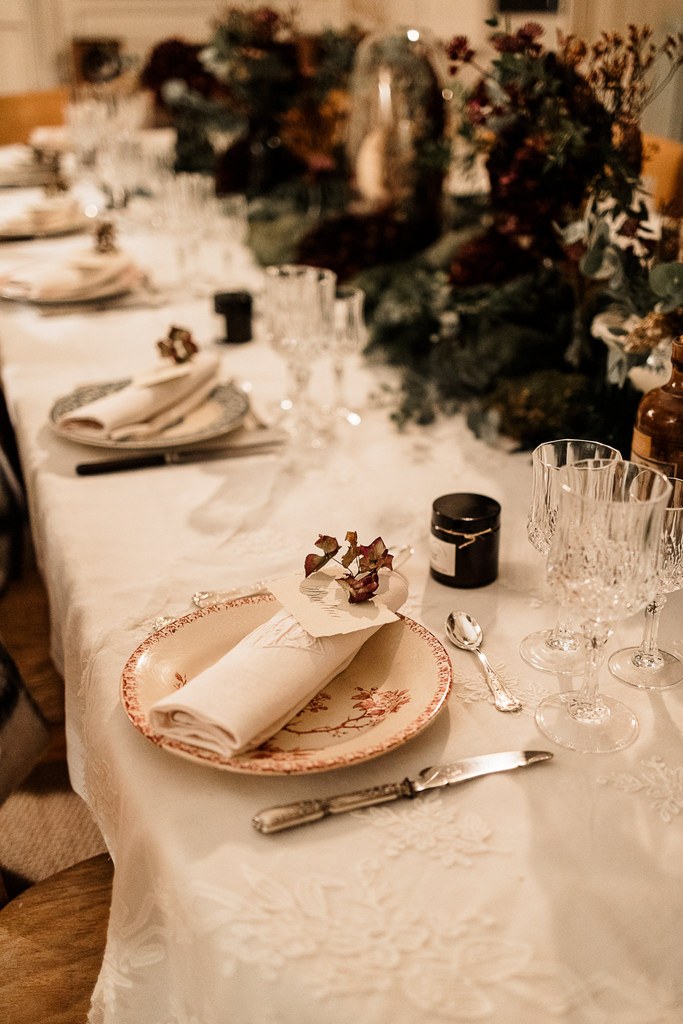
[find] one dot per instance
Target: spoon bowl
(464, 632)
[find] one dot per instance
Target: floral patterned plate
(393, 688)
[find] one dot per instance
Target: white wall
(18, 55)
(35, 34)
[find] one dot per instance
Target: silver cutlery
(176, 457)
(206, 598)
(276, 819)
(465, 632)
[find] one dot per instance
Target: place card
(322, 606)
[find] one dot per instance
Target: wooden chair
(663, 165)
(20, 113)
(52, 940)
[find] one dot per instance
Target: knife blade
(175, 457)
(276, 819)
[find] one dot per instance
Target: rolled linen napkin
(257, 687)
(85, 275)
(146, 406)
(44, 215)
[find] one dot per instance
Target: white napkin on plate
(149, 403)
(257, 687)
(19, 167)
(85, 275)
(44, 215)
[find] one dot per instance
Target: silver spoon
(466, 633)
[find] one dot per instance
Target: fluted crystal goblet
(647, 666)
(602, 565)
(348, 337)
(558, 649)
(299, 312)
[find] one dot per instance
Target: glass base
(601, 729)
(667, 670)
(305, 428)
(538, 652)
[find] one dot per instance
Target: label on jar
(442, 556)
(646, 451)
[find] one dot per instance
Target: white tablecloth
(554, 893)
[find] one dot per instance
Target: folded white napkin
(44, 215)
(85, 275)
(257, 687)
(150, 403)
(19, 167)
(51, 138)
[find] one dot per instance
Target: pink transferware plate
(390, 692)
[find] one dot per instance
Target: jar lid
(460, 511)
(225, 302)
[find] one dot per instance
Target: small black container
(464, 540)
(236, 308)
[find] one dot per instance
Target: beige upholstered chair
(20, 113)
(663, 165)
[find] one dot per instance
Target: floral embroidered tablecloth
(550, 894)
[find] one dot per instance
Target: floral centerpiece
(260, 104)
(290, 90)
(501, 323)
(500, 309)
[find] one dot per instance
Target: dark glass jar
(236, 308)
(464, 540)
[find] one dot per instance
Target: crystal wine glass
(348, 338)
(602, 564)
(646, 666)
(299, 310)
(183, 201)
(558, 649)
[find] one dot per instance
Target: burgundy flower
(530, 30)
(504, 43)
(459, 49)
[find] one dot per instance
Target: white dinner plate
(224, 410)
(391, 691)
(72, 228)
(129, 278)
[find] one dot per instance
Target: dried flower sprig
(178, 346)
(362, 583)
(623, 69)
(104, 237)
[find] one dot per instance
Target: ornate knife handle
(277, 819)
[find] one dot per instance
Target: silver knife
(176, 457)
(276, 819)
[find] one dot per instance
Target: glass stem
(586, 705)
(561, 637)
(338, 371)
(647, 655)
(299, 376)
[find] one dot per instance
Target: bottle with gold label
(658, 431)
